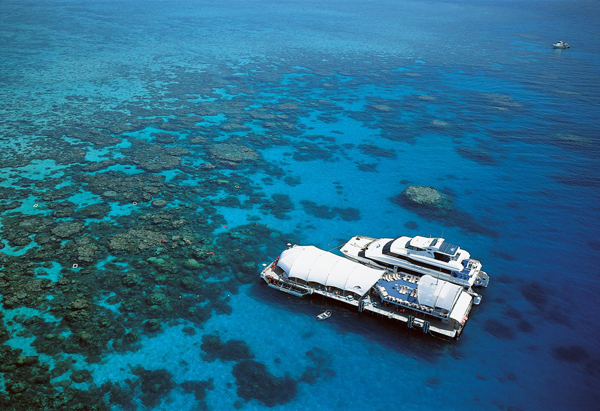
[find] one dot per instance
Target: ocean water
(261, 123)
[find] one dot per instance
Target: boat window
(383, 263)
(387, 247)
(410, 247)
(417, 263)
(442, 257)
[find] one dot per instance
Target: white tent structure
(313, 265)
(437, 293)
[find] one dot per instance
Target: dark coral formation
(411, 225)
(280, 206)
(319, 368)
(232, 350)
(27, 384)
(377, 152)
(536, 293)
(478, 154)
(198, 388)
(499, 330)
(155, 385)
(328, 213)
(232, 155)
(255, 382)
(570, 353)
(432, 204)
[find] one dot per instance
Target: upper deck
(434, 297)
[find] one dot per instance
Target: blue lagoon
(154, 154)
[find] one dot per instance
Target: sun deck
(403, 290)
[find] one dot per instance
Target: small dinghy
(561, 45)
(324, 315)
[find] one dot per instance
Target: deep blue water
(267, 122)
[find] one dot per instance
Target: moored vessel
(324, 315)
(435, 306)
(561, 45)
(419, 256)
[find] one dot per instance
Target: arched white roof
(322, 267)
(436, 293)
(304, 262)
(288, 257)
(312, 264)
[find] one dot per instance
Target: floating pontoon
(433, 305)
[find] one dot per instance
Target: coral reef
(155, 385)
(255, 382)
(232, 155)
(432, 204)
(232, 350)
(327, 213)
(499, 329)
(478, 154)
(427, 197)
(570, 353)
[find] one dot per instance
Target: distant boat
(561, 45)
(324, 315)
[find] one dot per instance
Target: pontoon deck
(435, 306)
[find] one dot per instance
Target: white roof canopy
(288, 257)
(461, 307)
(312, 264)
(436, 293)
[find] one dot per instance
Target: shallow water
(266, 122)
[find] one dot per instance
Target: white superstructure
(420, 256)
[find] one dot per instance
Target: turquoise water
(262, 123)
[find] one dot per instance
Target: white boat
(324, 315)
(561, 45)
(432, 305)
(420, 256)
